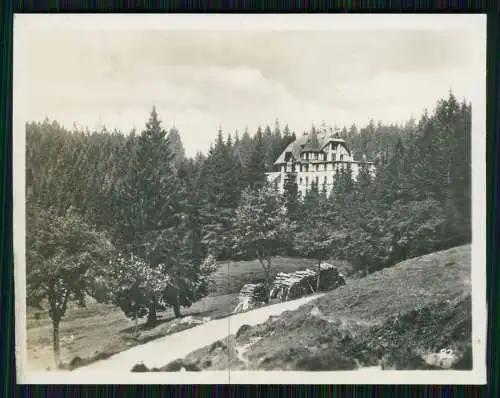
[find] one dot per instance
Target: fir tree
(221, 184)
(152, 201)
(255, 171)
(291, 196)
(176, 147)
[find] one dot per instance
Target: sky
(202, 79)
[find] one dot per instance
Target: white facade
(318, 165)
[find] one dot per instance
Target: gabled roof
(303, 144)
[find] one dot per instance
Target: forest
(129, 219)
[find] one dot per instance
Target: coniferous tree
(268, 141)
(221, 184)
(288, 137)
(176, 147)
(244, 149)
(313, 138)
(311, 198)
(151, 197)
(315, 237)
(255, 171)
(277, 141)
(291, 196)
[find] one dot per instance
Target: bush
(140, 367)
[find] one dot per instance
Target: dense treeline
(163, 218)
(419, 200)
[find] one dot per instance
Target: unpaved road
(166, 349)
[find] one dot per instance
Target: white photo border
(475, 24)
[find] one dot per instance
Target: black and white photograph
(250, 198)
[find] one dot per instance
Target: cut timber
(290, 286)
(297, 284)
(251, 296)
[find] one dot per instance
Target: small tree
(319, 235)
(261, 229)
(134, 285)
(66, 260)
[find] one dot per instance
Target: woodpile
(290, 286)
(300, 283)
(251, 296)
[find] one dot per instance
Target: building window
(341, 157)
(307, 181)
(325, 166)
(317, 180)
(333, 157)
(325, 157)
(307, 156)
(300, 180)
(324, 182)
(317, 167)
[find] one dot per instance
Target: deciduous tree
(261, 229)
(65, 261)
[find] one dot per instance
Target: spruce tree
(288, 137)
(176, 147)
(255, 171)
(291, 196)
(151, 197)
(318, 235)
(221, 184)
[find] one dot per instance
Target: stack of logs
(290, 286)
(251, 296)
(300, 283)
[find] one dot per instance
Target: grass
(99, 330)
(396, 317)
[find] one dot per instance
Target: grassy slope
(101, 330)
(396, 315)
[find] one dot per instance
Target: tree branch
(62, 310)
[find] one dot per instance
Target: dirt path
(163, 350)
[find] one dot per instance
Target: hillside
(399, 316)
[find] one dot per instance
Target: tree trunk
(177, 305)
(56, 342)
(136, 325)
(319, 275)
(267, 286)
(152, 318)
(268, 281)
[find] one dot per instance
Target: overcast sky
(202, 79)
